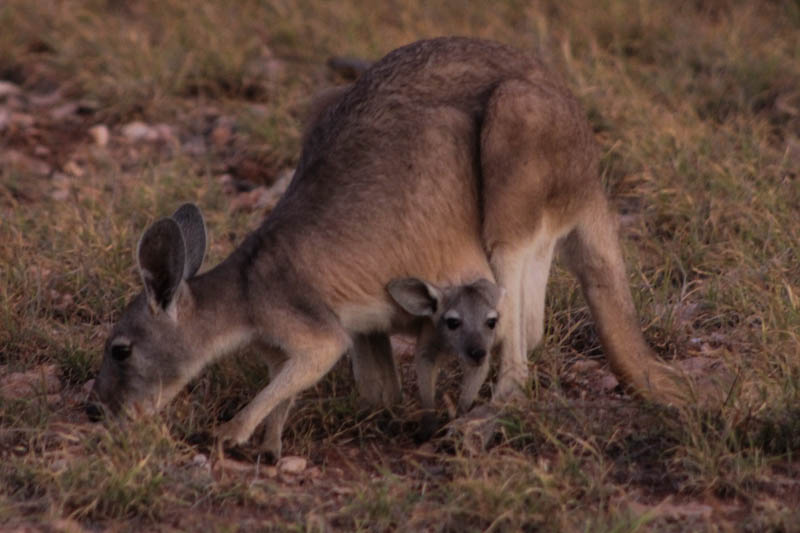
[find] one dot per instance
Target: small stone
(195, 146)
(22, 120)
(46, 100)
(292, 464)
(8, 89)
(699, 365)
(41, 151)
(231, 465)
(250, 200)
(166, 133)
(25, 163)
(64, 111)
(227, 183)
(585, 365)
(59, 195)
(99, 134)
(609, 383)
(200, 460)
(66, 525)
(427, 448)
(269, 471)
(222, 133)
(73, 168)
(139, 131)
(61, 187)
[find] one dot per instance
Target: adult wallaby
(445, 153)
(460, 321)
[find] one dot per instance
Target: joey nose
(94, 412)
(477, 354)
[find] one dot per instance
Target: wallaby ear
(162, 258)
(492, 292)
(193, 228)
(417, 297)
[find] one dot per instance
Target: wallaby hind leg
(375, 371)
(532, 147)
(523, 272)
(309, 358)
(508, 267)
(593, 253)
(537, 272)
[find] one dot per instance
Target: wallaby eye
(491, 323)
(452, 323)
(121, 351)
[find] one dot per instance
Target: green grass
(696, 107)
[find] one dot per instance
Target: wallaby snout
(93, 410)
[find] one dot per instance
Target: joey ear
(417, 297)
(193, 228)
(161, 255)
(489, 290)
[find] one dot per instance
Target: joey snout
(476, 355)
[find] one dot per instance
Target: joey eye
(452, 323)
(491, 323)
(121, 351)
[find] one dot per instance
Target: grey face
(465, 316)
(468, 323)
(147, 357)
(143, 362)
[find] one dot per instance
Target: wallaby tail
(593, 253)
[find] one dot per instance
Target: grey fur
(450, 159)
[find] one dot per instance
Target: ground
(112, 113)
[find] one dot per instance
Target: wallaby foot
(476, 429)
(271, 431)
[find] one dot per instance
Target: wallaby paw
(712, 383)
(270, 452)
(232, 433)
(696, 382)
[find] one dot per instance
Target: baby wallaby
(458, 320)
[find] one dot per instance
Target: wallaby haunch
(445, 153)
(459, 321)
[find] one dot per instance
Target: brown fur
(445, 158)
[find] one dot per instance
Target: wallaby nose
(477, 354)
(94, 412)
